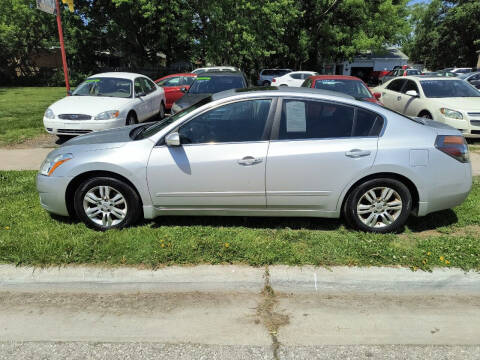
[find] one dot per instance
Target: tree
(447, 34)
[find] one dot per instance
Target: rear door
(392, 92)
(317, 148)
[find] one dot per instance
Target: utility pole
(62, 46)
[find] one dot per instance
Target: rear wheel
(378, 205)
(104, 203)
(266, 83)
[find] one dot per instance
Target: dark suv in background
(209, 83)
(266, 75)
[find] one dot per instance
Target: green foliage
(447, 33)
(243, 33)
(28, 235)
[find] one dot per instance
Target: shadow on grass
(432, 221)
(250, 222)
(65, 219)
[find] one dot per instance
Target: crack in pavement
(271, 319)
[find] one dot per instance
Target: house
(367, 62)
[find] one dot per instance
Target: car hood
(470, 104)
(190, 99)
(88, 105)
(106, 139)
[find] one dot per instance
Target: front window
(353, 88)
(214, 84)
(158, 126)
(448, 88)
(105, 86)
(236, 122)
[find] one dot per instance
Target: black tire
(266, 83)
(131, 119)
(357, 197)
(161, 112)
(133, 204)
(426, 115)
(284, 85)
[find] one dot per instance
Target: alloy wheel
(105, 205)
(379, 207)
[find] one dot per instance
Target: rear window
(353, 88)
(413, 72)
(214, 84)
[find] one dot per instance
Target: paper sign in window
(296, 116)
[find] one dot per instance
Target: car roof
(120, 75)
(179, 74)
(446, 78)
(221, 73)
(279, 91)
(334, 77)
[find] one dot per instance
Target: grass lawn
(22, 109)
(29, 235)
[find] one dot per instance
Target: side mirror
(69, 93)
(141, 94)
(377, 95)
(183, 89)
(412, 93)
(172, 139)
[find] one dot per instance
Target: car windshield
(353, 88)
(158, 126)
(448, 88)
(105, 86)
(214, 84)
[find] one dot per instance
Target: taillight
(273, 80)
(453, 145)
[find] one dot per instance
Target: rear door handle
(249, 160)
(356, 153)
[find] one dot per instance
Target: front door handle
(249, 160)
(356, 153)
(399, 98)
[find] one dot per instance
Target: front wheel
(161, 112)
(378, 205)
(104, 203)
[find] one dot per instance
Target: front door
(320, 147)
(220, 163)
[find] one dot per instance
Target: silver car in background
(276, 152)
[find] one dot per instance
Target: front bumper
(51, 190)
(69, 127)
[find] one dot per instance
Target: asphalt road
(238, 312)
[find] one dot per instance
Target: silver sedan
(276, 152)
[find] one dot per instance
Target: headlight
(107, 115)
(49, 165)
(49, 114)
(452, 114)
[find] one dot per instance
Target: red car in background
(175, 85)
(349, 85)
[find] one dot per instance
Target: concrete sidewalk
(234, 306)
(31, 159)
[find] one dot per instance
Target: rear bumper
(52, 191)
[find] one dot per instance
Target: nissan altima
(265, 152)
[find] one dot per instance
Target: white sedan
(448, 100)
(294, 78)
(105, 101)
